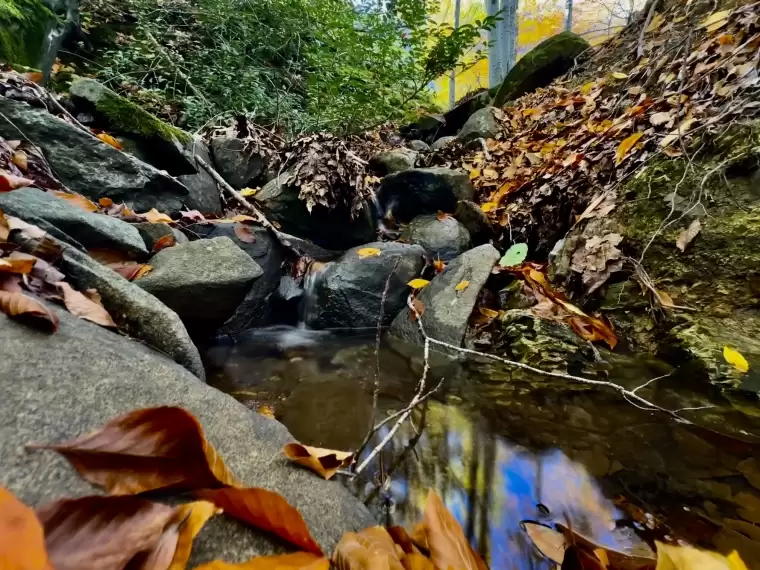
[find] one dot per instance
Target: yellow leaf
(735, 561)
(489, 207)
(156, 217)
(689, 558)
(655, 23)
(418, 283)
(368, 252)
(191, 517)
(109, 140)
(490, 313)
(626, 146)
(462, 285)
(715, 21)
(619, 75)
(474, 173)
(586, 89)
(248, 192)
(735, 359)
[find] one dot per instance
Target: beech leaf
(148, 449)
(76, 200)
(80, 306)
(368, 252)
(448, 546)
(295, 561)
(156, 217)
(244, 233)
(265, 510)
(418, 283)
(189, 519)
(549, 542)
(735, 359)
(28, 310)
(368, 549)
(324, 462)
(22, 541)
(625, 147)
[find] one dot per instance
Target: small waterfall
(378, 213)
(309, 299)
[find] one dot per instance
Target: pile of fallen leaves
(126, 530)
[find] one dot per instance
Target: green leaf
(515, 255)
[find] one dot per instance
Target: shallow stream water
(502, 447)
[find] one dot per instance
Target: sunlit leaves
(324, 462)
(22, 542)
(735, 359)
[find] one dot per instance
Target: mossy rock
(24, 25)
(539, 67)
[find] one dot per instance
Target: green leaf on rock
(515, 255)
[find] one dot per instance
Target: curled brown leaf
(324, 462)
(448, 546)
(28, 310)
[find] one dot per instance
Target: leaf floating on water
(82, 307)
(735, 359)
(22, 541)
(515, 255)
(76, 200)
(448, 546)
(265, 510)
(625, 147)
(295, 561)
(245, 233)
(549, 542)
(368, 252)
(462, 285)
(688, 235)
(418, 283)
(28, 310)
(324, 462)
(173, 452)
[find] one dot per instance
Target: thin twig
(652, 8)
(378, 338)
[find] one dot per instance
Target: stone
(470, 215)
(204, 191)
(444, 239)
(543, 64)
(151, 233)
(481, 125)
(331, 229)
(447, 311)
(89, 166)
(418, 145)
(255, 310)
(442, 142)
(349, 290)
(394, 160)
(159, 144)
(203, 281)
(422, 191)
(90, 229)
(237, 164)
(60, 386)
(24, 27)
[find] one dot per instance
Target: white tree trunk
(494, 46)
(453, 77)
(509, 35)
(569, 15)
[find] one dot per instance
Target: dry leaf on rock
(163, 242)
(370, 549)
(5, 228)
(22, 266)
(418, 283)
(28, 310)
(41, 269)
(102, 533)
(152, 448)
(625, 147)
(156, 217)
(448, 546)
(295, 561)
(76, 200)
(22, 541)
(10, 182)
(265, 510)
(189, 520)
(735, 359)
(419, 309)
(109, 140)
(462, 285)
(80, 306)
(368, 252)
(245, 233)
(597, 260)
(324, 462)
(549, 542)
(688, 235)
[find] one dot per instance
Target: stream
(501, 447)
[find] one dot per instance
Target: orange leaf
(240, 218)
(76, 200)
(244, 233)
(439, 265)
(372, 548)
(101, 533)
(442, 215)
(448, 546)
(152, 448)
(5, 228)
(191, 518)
(22, 266)
(108, 139)
(324, 462)
(105, 202)
(28, 310)
(22, 541)
(10, 182)
(156, 217)
(295, 561)
(593, 329)
(164, 242)
(402, 538)
(265, 510)
(625, 147)
(417, 561)
(82, 307)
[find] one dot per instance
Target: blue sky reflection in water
(490, 485)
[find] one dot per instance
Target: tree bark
(453, 76)
(569, 15)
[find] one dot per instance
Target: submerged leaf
(735, 359)
(22, 541)
(324, 462)
(448, 546)
(28, 310)
(295, 561)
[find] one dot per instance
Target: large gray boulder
(481, 125)
(57, 387)
(236, 162)
(255, 310)
(349, 291)
(442, 142)
(89, 229)
(475, 220)
(89, 166)
(445, 238)
(334, 229)
(447, 310)
(421, 191)
(203, 281)
(394, 160)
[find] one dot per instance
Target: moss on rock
(24, 25)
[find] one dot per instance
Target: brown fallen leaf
(549, 542)
(80, 306)
(22, 541)
(5, 229)
(156, 217)
(76, 200)
(10, 181)
(402, 538)
(324, 462)
(687, 236)
(94, 296)
(28, 310)
(295, 561)
(189, 520)
(108, 256)
(370, 549)
(109, 140)
(42, 269)
(417, 561)
(448, 546)
(152, 448)
(22, 266)
(419, 309)
(265, 510)
(245, 233)
(102, 533)
(164, 242)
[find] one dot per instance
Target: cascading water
(308, 300)
(378, 213)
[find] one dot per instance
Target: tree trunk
(509, 34)
(453, 76)
(569, 15)
(494, 49)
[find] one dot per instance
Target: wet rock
(422, 191)
(470, 215)
(204, 191)
(513, 296)
(255, 310)
(539, 342)
(444, 239)
(481, 125)
(89, 166)
(89, 229)
(57, 387)
(159, 143)
(395, 160)
(419, 146)
(203, 281)
(549, 60)
(442, 142)
(447, 310)
(349, 290)
(334, 229)
(237, 164)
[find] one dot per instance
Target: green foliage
(304, 65)
(23, 25)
